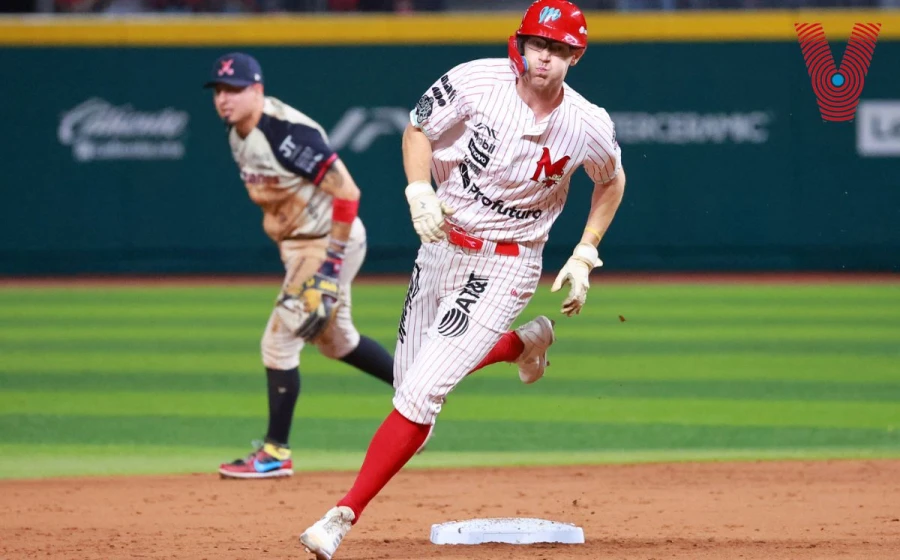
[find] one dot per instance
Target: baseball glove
(309, 311)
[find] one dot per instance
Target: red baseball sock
(507, 349)
(393, 445)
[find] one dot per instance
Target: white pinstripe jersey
(282, 161)
(506, 175)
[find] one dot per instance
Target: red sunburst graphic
(837, 89)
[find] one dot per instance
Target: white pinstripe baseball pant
(460, 302)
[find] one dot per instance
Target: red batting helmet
(557, 20)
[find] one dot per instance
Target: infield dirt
(748, 510)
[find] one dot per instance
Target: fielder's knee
(278, 353)
(336, 344)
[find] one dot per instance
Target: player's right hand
(427, 211)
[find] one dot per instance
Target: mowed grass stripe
(710, 292)
(653, 304)
(659, 300)
(783, 390)
(673, 314)
(155, 295)
(692, 368)
(22, 362)
(533, 408)
(835, 344)
(387, 317)
(505, 385)
(343, 383)
(66, 460)
(679, 411)
(142, 313)
(826, 366)
(822, 367)
(451, 435)
(568, 333)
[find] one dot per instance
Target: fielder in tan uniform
(309, 203)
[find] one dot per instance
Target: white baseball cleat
(537, 335)
(326, 534)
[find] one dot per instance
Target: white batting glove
(427, 211)
(575, 273)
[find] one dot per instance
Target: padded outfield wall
(116, 163)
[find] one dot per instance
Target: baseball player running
(503, 146)
(309, 203)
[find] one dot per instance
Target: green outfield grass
(151, 380)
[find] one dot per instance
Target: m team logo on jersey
(456, 321)
(554, 171)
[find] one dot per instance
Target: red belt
(462, 239)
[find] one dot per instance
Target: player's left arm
(605, 168)
(604, 204)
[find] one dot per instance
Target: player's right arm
(441, 107)
(417, 155)
(426, 210)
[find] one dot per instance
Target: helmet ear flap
(516, 61)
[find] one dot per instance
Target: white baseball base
(509, 530)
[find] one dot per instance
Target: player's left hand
(309, 311)
(575, 273)
(320, 299)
